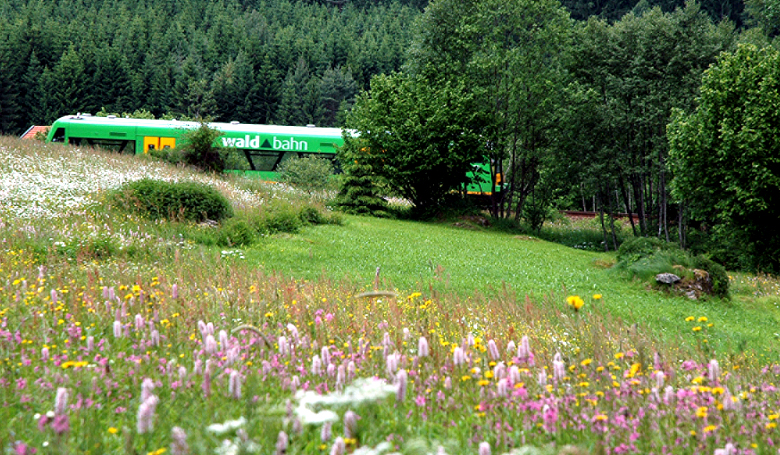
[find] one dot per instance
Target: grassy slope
(416, 256)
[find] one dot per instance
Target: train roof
(232, 127)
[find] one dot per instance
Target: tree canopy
(726, 154)
(420, 138)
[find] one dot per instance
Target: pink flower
(179, 441)
(211, 345)
(61, 401)
(147, 385)
(493, 350)
(350, 424)
(316, 365)
(714, 370)
(145, 422)
(401, 381)
(458, 356)
(325, 355)
(234, 384)
(60, 424)
(422, 348)
(282, 441)
(484, 448)
(325, 433)
(339, 447)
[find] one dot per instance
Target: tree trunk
(601, 218)
(627, 201)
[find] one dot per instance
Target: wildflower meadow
(121, 335)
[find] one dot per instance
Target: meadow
(123, 335)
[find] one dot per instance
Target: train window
(262, 160)
(59, 135)
(113, 145)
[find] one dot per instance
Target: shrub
(283, 219)
(718, 274)
(198, 148)
(236, 232)
(642, 247)
(180, 201)
(310, 173)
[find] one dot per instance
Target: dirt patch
(527, 238)
(472, 222)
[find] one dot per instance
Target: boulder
(667, 278)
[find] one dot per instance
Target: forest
(574, 101)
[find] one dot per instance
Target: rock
(667, 278)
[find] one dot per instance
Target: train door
(157, 143)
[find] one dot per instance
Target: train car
(263, 147)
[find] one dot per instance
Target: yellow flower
(701, 412)
(697, 329)
(689, 319)
(710, 428)
(634, 370)
(586, 362)
(601, 417)
(575, 302)
(596, 296)
(112, 430)
(703, 319)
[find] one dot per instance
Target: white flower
(226, 427)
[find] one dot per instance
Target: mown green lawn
(421, 256)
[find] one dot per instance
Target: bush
(642, 247)
(198, 148)
(310, 173)
(179, 201)
(236, 232)
(718, 274)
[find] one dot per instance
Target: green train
(263, 147)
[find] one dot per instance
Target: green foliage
(718, 274)
(182, 201)
(628, 76)
(235, 232)
(199, 148)
(418, 137)
(642, 247)
(764, 14)
(646, 257)
(224, 60)
(724, 155)
(360, 192)
(310, 173)
(509, 56)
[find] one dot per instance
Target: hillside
(123, 334)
